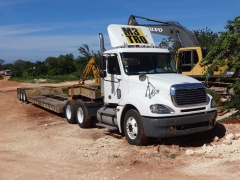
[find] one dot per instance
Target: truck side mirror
(102, 63)
(103, 74)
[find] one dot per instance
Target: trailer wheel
(83, 120)
(133, 128)
(70, 112)
(24, 97)
(19, 94)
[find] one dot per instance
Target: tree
(1, 64)
(22, 68)
(86, 55)
(170, 44)
(205, 37)
(226, 51)
(63, 64)
(7, 66)
(66, 63)
(40, 68)
(85, 52)
(1, 61)
(52, 66)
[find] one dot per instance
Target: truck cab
(143, 94)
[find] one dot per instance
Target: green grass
(49, 79)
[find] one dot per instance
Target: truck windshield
(148, 63)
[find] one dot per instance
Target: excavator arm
(168, 28)
(91, 66)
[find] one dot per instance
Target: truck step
(106, 126)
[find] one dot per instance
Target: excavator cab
(188, 59)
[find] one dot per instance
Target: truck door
(112, 82)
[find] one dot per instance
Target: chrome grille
(188, 94)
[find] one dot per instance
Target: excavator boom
(168, 28)
(91, 66)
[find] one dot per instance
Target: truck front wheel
(70, 112)
(133, 128)
(83, 120)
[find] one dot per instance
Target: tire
(70, 112)
(19, 94)
(24, 96)
(83, 120)
(133, 128)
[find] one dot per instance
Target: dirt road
(38, 144)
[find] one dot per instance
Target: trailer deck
(53, 98)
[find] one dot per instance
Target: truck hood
(165, 81)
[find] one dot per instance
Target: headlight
(161, 109)
(213, 103)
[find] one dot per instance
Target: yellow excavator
(188, 58)
(91, 66)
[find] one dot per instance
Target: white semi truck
(140, 94)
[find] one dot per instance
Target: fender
(142, 103)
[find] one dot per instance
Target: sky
(33, 30)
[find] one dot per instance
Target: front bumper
(182, 125)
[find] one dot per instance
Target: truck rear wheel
(70, 112)
(83, 120)
(133, 128)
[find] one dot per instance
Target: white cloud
(40, 47)
(21, 29)
(46, 43)
(15, 2)
(26, 41)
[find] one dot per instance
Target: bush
(214, 94)
(233, 103)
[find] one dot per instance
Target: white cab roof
(123, 35)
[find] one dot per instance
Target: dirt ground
(38, 144)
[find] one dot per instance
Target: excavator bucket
(132, 21)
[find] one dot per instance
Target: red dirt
(38, 144)
(232, 121)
